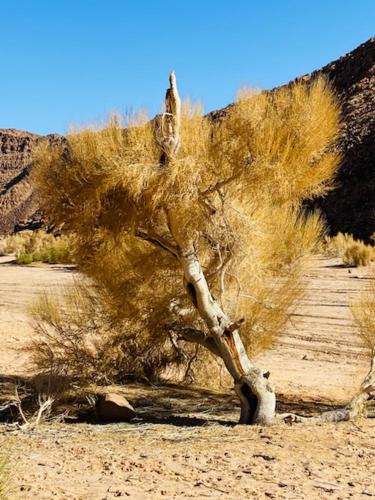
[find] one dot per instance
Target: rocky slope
(349, 208)
(18, 206)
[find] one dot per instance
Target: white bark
(252, 386)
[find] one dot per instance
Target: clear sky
(67, 62)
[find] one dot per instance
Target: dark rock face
(17, 204)
(349, 208)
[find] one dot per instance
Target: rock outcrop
(351, 206)
(18, 207)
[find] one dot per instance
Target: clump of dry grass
(37, 246)
(352, 252)
(335, 246)
(358, 254)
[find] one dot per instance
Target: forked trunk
(256, 394)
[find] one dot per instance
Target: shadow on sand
(167, 404)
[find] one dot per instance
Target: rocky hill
(349, 208)
(18, 206)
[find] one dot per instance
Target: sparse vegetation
(78, 339)
(352, 252)
(37, 246)
(359, 254)
(219, 203)
(364, 315)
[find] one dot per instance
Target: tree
(216, 202)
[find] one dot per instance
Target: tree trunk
(256, 394)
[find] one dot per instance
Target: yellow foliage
(78, 339)
(235, 187)
(37, 246)
(358, 254)
(364, 315)
(353, 252)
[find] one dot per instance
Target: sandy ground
(185, 443)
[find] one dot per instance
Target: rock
(19, 208)
(112, 407)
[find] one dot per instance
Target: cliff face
(349, 208)
(18, 206)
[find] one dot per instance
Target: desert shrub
(3, 247)
(24, 258)
(77, 338)
(358, 254)
(38, 246)
(364, 315)
(352, 252)
(335, 246)
(231, 195)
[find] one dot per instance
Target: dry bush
(352, 252)
(364, 315)
(79, 341)
(38, 246)
(335, 246)
(358, 254)
(235, 187)
(3, 247)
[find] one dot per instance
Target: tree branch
(195, 336)
(158, 241)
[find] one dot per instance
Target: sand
(185, 442)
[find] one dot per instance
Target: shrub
(352, 252)
(358, 254)
(38, 246)
(335, 246)
(364, 315)
(24, 258)
(3, 247)
(77, 338)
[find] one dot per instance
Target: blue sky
(72, 62)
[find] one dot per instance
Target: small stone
(112, 407)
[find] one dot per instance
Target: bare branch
(157, 241)
(195, 336)
(167, 125)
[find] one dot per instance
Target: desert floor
(185, 442)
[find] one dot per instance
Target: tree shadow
(167, 404)
(338, 266)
